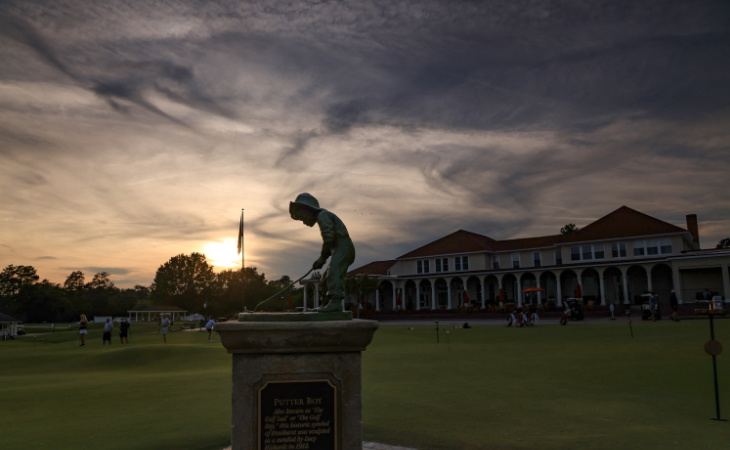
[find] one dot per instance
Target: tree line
(185, 281)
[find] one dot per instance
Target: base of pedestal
(296, 385)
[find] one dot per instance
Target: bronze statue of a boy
(336, 245)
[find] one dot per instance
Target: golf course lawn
(488, 387)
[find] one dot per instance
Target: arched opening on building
(385, 296)
(591, 287)
(424, 297)
(638, 284)
(491, 286)
(528, 280)
(568, 284)
(409, 296)
(549, 282)
(613, 284)
(509, 284)
(474, 291)
(457, 293)
(442, 294)
(661, 282)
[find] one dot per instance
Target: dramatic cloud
(131, 132)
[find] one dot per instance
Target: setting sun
(223, 254)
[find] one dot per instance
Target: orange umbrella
(466, 298)
(501, 295)
(533, 289)
(578, 292)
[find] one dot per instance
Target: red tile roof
(624, 222)
(524, 243)
(374, 268)
(621, 223)
(458, 242)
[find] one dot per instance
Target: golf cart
(574, 308)
(647, 311)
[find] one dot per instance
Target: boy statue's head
(305, 208)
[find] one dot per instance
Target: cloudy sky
(134, 131)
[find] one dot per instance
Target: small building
(8, 325)
(152, 313)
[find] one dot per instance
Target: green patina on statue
(336, 245)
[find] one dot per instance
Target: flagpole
(242, 249)
(243, 263)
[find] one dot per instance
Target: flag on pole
(240, 234)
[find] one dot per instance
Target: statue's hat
(304, 201)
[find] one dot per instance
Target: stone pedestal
(296, 381)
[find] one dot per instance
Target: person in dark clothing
(124, 331)
(674, 303)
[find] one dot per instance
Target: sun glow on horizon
(223, 254)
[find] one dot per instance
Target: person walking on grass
(674, 303)
(209, 327)
(83, 329)
(164, 325)
(108, 327)
(124, 331)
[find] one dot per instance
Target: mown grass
(580, 386)
(488, 387)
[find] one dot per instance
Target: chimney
(692, 227)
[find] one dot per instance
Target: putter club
(290, 285)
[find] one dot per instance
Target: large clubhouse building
(613, 260)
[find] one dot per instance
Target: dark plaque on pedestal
(297, 414)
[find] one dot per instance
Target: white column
(580, 282)
(433, 295)
(519, 290)
(559, 294)
(418, 296)
(448, 294)
(725, 281)
(602, 287)
(499, 289)
(649, 284)
(539, 293)
(395, 306)
(377, 300)
(305, 297)
(677, 282)
(484, 293)
(625, 281)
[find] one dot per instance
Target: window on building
(558, 256)
(422, 266)
(665, 246)
(618, 249)
(587, 252)
(495, 262)
(515, 260)
(575, 252)
(639, 248)
(461, 263)
(652, 247)
(598, 251)
(536, 259)
(442, 264)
